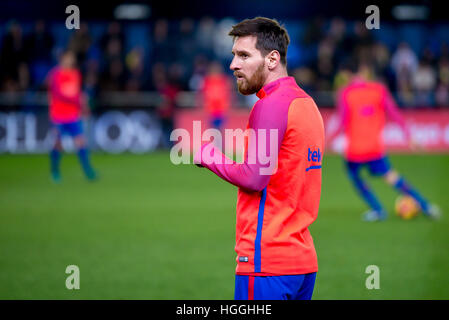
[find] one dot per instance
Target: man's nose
(234, 66)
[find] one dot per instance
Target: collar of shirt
(270, 87)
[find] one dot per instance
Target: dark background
(285, 9)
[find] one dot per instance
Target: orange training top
(277, 201)
(363, 106)
(65, 95)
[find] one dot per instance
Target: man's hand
(197, 158)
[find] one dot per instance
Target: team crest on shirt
(314, 157)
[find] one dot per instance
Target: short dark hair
(270, 35)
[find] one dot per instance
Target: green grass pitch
(151, 230)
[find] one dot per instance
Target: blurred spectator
(222, 42)
(112, 45)
(113, 78)
(404, 90)
(363, 36)
(112, 42)
(305, 77)
(168, 90)
(91, 82)
(428, 57)
(199, 71)
(183, 46)
(342, 42)
(39, 45)
(178, 74)
(204, 36)
(325, 64)
(135, 67)
(442, 92)
(442, 95)
(444, 50)
(424, 82)
(337, 29)
(404, 60)
(80, 43)
(341, 79)
(185, 43)
(159, 75)
(363, 43)
(314, 31)
(326, 48)
(381, 58)
(162, 48)
(13, 66)
(443, 71)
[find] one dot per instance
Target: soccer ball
(406, 207)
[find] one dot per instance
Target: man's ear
(274, 58)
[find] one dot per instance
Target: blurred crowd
(417, 79)
(177, 55)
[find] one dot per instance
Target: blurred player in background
(276, 257)
(216, 95)
(362, 107)
(67, 106)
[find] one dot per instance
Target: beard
(254, 84)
